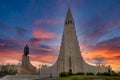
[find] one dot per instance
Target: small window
(66, 22)
(70, 21)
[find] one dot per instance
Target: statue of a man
(26, 50)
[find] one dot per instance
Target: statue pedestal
(27, 68)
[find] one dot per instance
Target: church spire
(69, 18)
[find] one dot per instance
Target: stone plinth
(27, 68)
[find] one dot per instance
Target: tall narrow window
(70, 62)
(70, 21)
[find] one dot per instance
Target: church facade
(70, 58)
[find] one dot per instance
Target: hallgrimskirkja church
(70, 58)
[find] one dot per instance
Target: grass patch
(87, 76)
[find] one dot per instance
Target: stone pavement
(26, 77)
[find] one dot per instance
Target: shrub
(5, 70)
(99, 73)
(63, 74)
(12, 72)
(106, 74)
(114, 74)
(90, 73)
(70, 73)
(79, 73)
(119, 74)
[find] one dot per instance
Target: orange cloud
(38, 59)
(39, 33)
(46, 49)
(106, 52)
(43, 58)
(104, 57)
(11, 57)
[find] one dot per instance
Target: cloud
(49, 21)
(117, 57)
(9, 56)
(46, 47)
(110, 45)
(41, 51)
(100, 26)
(8, 44)
(42, 54)
(43, 58)
(38, 47)
(1, 44)
(11, 31)
(39, 33)
(99, 59)
(21, 31)
(106, 52)
(35, 41)
(40, 59)
(5, 27)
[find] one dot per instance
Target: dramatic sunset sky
(39, 23)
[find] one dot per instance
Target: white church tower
(70, 59)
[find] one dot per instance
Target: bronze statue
(26, 50)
